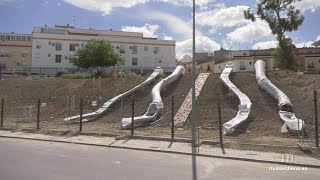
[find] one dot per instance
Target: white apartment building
(52, 47)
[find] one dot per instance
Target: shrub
(132, 74)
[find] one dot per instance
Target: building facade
(244, 64)
(52, 47)
(15, 51)
(202, 67)
(203, 57)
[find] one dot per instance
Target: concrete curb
(173, 152)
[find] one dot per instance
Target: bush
(132, 74)
(76, 76)
(59, 74)
(121, 75)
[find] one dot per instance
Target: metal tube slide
(153, 111)
(245, 103)
(292, 123)
(106, 105)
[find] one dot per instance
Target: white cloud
(318, 38)
(168, 38)
(201, 3)
(222, 17)
(250, 32)
(265, 45)
(203, 44)
(186, 58)
(59, 4)
(174, 23)
(12, 3)
(104, 6)
(148, 30)
(305, 5)
(304, 44)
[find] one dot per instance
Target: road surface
(38, 160)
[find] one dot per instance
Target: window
(38, 45)
(13, 38)
(242, 66)
(18, 38)
(28, 38)
(244, 54)
(23, 38)
(58, 46)
(250, 63)
(145, 48)
(134, 61)
(134, 49)
(49, 55)
(66, 57)
(122, 51)
(49, 42)
(8, 38)
(310, 64)
(156, 50)
(58, 58)
(2, 37)
(72, 47)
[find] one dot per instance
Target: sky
(219, 23)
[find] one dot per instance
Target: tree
(95, 54)
(281, 17)
(285, 56)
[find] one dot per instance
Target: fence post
(172, 119)
(38, 115)
(81, 110)
(220, 122)
(132, 116)
(315, 100)
(2, 108)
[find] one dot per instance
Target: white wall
(146, 59)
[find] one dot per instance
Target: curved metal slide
(153, 111)
(106, 105)
(245, 103)
(292, 123)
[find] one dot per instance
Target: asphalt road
(38, 160)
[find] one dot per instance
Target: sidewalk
(170, 147)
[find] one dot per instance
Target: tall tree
(96, 54)
(281, 17)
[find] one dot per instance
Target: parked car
(36, 74)
(9, 74)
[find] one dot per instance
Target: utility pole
(194, 160)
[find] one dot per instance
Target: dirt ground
(262, 127)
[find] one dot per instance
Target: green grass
(76, 76)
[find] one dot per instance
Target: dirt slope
(263, 125)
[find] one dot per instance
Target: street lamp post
(194, 162)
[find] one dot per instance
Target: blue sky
(220, 23)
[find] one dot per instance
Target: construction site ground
(262, 127)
